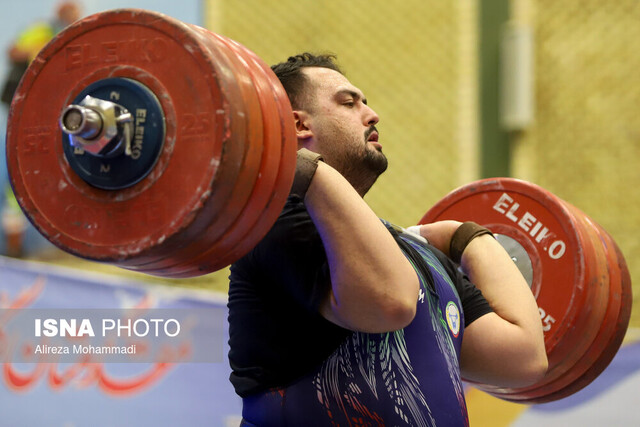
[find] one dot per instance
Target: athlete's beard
(364, 173)
(375, 160)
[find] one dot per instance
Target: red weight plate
(605, 280)
(285, 171)
(222, 199)
(215, 257)
(621, 297)
(245, 233)
(547, 231)
(621, 274)
(186, 256)
(118, 226)
(286, 166)
(594, 333)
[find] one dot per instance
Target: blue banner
(81, 391)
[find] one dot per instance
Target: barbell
(137, 140)
(190, 165)
(574, 269)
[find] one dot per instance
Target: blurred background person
(31, 40)
(22, 51)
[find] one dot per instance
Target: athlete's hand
(306, 165)
(439, 233)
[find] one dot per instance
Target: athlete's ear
(302, 120)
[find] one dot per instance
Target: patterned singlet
(409, 377)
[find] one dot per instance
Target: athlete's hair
(292, 78)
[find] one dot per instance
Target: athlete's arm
(373, 286)
(506, 347)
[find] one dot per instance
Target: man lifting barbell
(324, 325)
(171, 150)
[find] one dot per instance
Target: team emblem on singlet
(453, 318)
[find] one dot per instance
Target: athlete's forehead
(332, 83)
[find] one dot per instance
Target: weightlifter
(339, 318)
